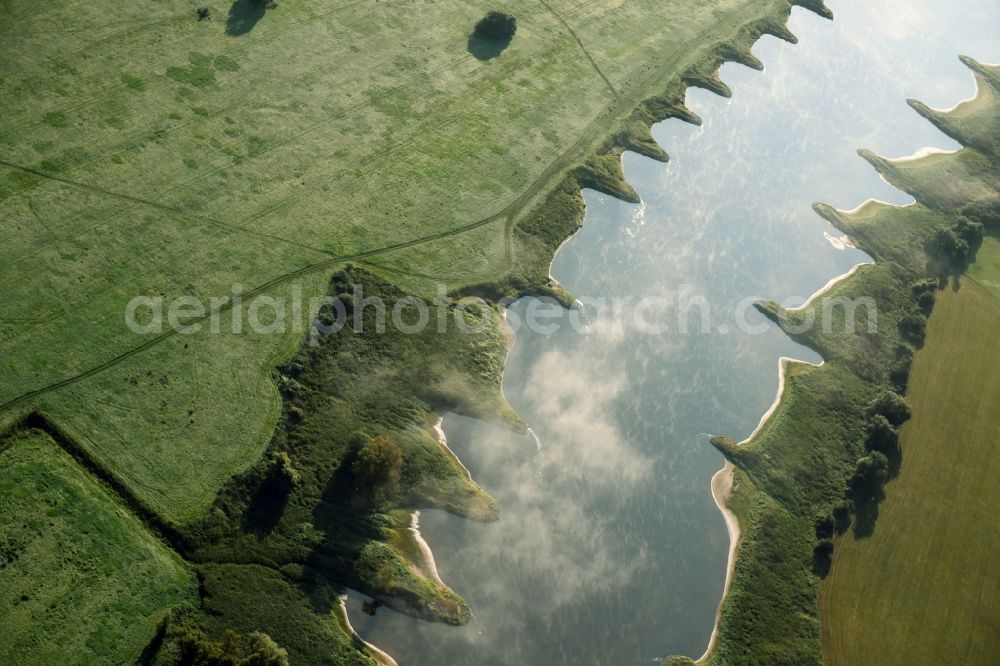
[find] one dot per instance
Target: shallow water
(611, 550)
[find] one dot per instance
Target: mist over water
(610, 549)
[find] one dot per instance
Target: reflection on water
(610, 550)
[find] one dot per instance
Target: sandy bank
(443, 441)
(833, 282)
(782, 371)
(722, 487)
(926, 151)
(427, 564)
(376, 653)
(874, 202)
(959, 103)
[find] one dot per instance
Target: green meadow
(82, 581)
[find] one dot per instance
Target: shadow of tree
(266, 507)
(895, 462)
(822, 558)
(243, 16)
(484, 48)
(866, 514)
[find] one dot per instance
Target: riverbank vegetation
(821, 462)
(356, 431)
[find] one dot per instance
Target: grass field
(81, 579)
(986, 270)
(923, 589)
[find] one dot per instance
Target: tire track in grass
(583, 48)
(245, 297)
(223, 164)
(153, 204)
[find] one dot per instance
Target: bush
(497, 25)
(913, 327)
(254, 649)
(893, 407)
(883, 438)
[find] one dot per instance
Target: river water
(610, 549)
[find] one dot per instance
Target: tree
(899, 372)
(378, 467)
(282, 472)
(970, 231)
(866, 489)
(261, 650)
(497, 25)
(925, 285)
(385, 577)
(269, 499)
(254, 649)
(924, 294)
(870, 475)
(925, 302)
(947, 246)
(883, 438)
(983, 212)
(913, 326)
(824, 527)
(893, 407)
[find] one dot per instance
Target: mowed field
(986, 270)
(81, 579)
(145, 153)
(923, 589)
